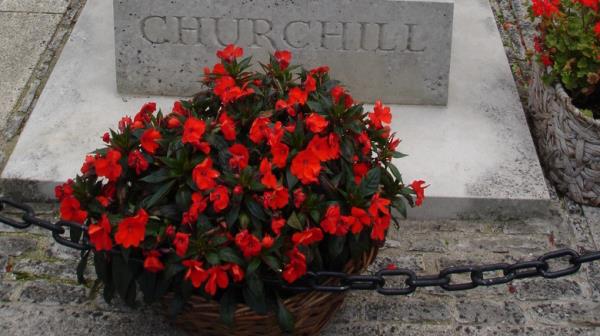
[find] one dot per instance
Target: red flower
(227, 126)
(381, 114)
(237, 273)
(88, 164)
(204, 176)
(179, 109)
(64, 190)
(284, 105)
(316, 123)
(193, 130)
(299, 198)
(220, 198)
(152, 264)
(283, 57)
(109, 166)
(319, 71)
(149, 140)
(546, 8)
(297, 96)
(137, 161)
(360, 170)
(280, 152)
(306, 166)
(259, 130)
(106, 137)
(332, 222)
(100, 234)
(198, 206)
(597, 29)
(248, 244)
(230, 53)
(307, 237)
(70, 210)
(105, 202)
(240, 156)
(546, 60)
(216, 277)
(227, 89)
(269, 180)
(378, 205)
(170, 231)
(276, 199)
(132, 230)
(181, 243)
(593, 4)
(276, 134)
(339, 95)
(195, 273)
(417, 186)
(267, 242)
(380, 225)
(144, 116)
(357, 220)
(325, 148)
(310, 84)
(124, 123)
(277, 224)
(296, 267)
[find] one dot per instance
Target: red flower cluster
(251, 177)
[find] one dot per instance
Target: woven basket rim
(564, 96)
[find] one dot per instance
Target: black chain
(325, 281)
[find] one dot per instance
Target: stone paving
(39, 293)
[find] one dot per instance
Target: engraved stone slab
(394, 50)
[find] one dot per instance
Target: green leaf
(255, 209)
(253, 266)
(149, 202)
(227, 254)
(294, 222)
(158, 176)
(213, 258)
(370, 182)
(273, 263)
(254, 294)
(147, 282)
(228, 305)
(284, 317)
(82, 265)
(336, 246)
(395, 172)
(123, 279)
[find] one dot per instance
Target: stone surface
(476, 153)
(397, 51)
(38, 6)
(23, 38)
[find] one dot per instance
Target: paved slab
(38, 6)
(477, 153)
(23, 38)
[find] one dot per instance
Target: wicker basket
(569, 142)
(311, 312)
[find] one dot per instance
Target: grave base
(477, 153)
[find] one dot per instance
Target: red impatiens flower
(276, 199)
(181, 243)
(306, 166)
(268, 179)
(380, 226)
(597, 29)
(204, 175)
(216, 277)
(332, 222)
(237, 273)
(379, 205)
(220, 198)
(149, 140)
(109, 165)
(248, 244)
(227, 89)
(299, 198)
(144, 116)
(296, 268)
(267, 242)
(137, 161)
(277, 224)
(199, 204)
(357, 220)
(307, 237)
(64, 190)
(230, 53)
(360, 169)
(106, 137)
(193, 130)
(195, 273)
(381, 114)
(339, 94)
(152, 262)
(593, 4)
(280, 152)
(297, 96)
(124, 123)
(310, 84)
(546, 60)
(316, 123)
(545, 8)
(88, 164)
(239, 156)
(417, 186)
(70, 210)
(276, 134)
(227, 126)
(179, 109)
(325, 148)
(132, 230)
(283, 57)
(99, 234)
(259, 131)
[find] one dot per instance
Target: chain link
(337, 282)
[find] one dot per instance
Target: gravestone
(394, 50)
